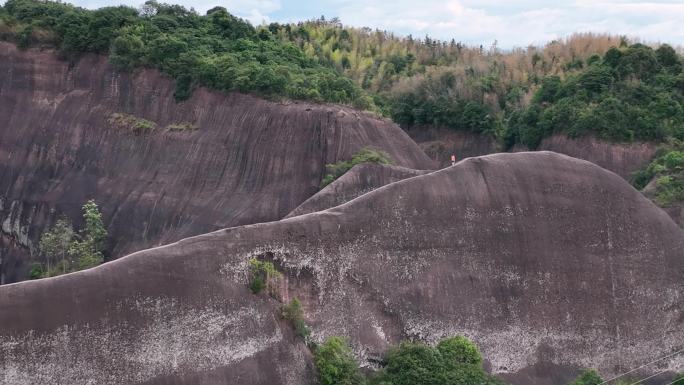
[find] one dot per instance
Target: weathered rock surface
(440, 143)
(549, 263)
(248, 160)
(620, 158)
(676, 212)
(361, 179)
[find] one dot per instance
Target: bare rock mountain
(549, 263)
(160, 170)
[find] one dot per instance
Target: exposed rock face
(361, 179)
(622, 159)
(232, 160)
(440, 143)
(549, 263)
(676, 212)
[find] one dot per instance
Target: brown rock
(211, 162)
(440, 143)
(549, 263)
(620, 158)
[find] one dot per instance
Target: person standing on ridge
(453, 159)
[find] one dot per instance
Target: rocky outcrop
(361, 179)
(549, 263)
(676, 212)
(621, 158)
(160, 170)
(440, 143)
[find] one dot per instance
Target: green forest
(216, 50)
(586, 84)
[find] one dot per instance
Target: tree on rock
(73, 251)
(336, 364)
(88, 249)
(55, 243)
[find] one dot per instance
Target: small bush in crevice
(365, 155)
(294, 313)
(257, 284)
(262, 275)
(37, 271)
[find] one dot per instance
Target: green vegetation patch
(631, 93)
(665, 173)
(294, 313)
(132, 123)
(365, 155)
(65, 250)
(263, 276)
(453, 361)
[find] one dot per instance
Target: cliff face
(159, 169)
(622, 159)
(440, 143)
(549, 263)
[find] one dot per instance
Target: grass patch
(131, 123)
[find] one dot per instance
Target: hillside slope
(549, 263)
(159, 169)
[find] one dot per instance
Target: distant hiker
(453, 159)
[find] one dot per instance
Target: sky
(511, 23)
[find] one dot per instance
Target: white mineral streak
(174, 340)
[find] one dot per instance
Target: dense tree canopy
(587, 84)
(217, 50)
(632, 93)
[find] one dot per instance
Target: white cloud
(256, 17)
(519, 23)
(511, 23)
(252, 10)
